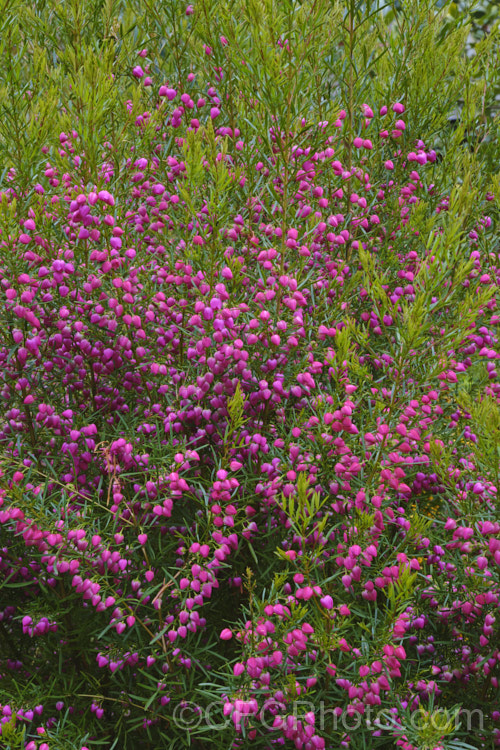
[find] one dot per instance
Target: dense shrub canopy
(250, 406)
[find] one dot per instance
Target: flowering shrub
(251, 426)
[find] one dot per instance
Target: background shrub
(250, 427)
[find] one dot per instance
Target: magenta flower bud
(383, 110)
(327, 602)
(307, 593)
(398, 108)
(138, 71)
(170, 94)
(226, 634)
(238, 669)
(106, 197)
